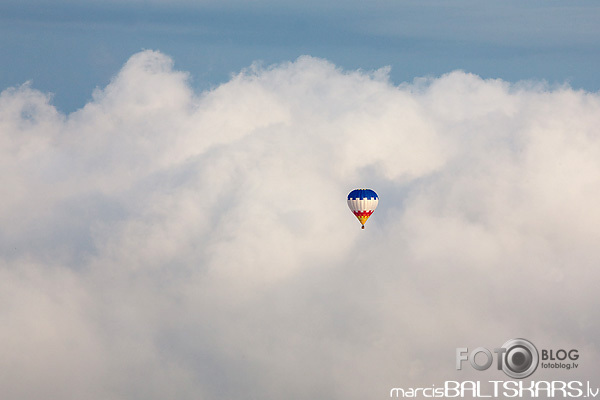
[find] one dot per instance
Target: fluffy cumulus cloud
(160, 243)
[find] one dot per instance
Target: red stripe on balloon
(363, 213)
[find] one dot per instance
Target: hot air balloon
(362, 203)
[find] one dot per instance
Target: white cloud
(158, 243)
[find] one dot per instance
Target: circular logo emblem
(520, 359)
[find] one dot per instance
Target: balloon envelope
(362, 203)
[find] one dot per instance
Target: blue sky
(69, 48)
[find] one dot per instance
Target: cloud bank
(160, 243)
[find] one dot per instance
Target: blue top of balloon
(362, 194)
